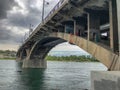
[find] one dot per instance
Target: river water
(57, 76)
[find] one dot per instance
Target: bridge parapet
(58, 6)
(55, 9)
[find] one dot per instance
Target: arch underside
(100, 52)
(42, 47)
(36, 57)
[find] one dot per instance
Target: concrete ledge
(108, 80)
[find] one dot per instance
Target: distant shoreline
(65, 58)
(72, 58)
(7, 58)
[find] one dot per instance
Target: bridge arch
(40, 49)
(21, 54)
(100, 52)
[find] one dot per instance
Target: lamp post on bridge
(30, 29)
(43, 8)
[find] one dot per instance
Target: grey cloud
(23, 20)
(7, 36)
(19, 20)
(33, 16)
(6, 5)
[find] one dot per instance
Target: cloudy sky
(15, 19)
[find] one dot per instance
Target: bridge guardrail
(57, 6)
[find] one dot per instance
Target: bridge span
(93, 25)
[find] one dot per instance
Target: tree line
(7, 54)
(72, 58)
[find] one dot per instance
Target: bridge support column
(118, 16)
(93, 27)
(19, 59)
(113, 25)
(35, 63)
(65, 31)
(28, 52)
(74, 27)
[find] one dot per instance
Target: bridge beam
(74, 27)
(118, 16)
(93, 27)
(80, 25)
(70, 26)
(113, 25)
(60, 28)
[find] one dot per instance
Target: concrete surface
(107, 80)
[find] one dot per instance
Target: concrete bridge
(93, 25)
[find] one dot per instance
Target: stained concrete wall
(104, 55)
(107, 80)
(118, 12)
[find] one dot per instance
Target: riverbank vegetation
(7, 58)
(11, 55)
(72, 58)
(7, 55)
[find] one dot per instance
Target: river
(57, 76)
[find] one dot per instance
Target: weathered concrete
(35, 63)
(93, 27)
(36, 56)
(104, 55)
(113, 26)
(107, 80)
(118, 17)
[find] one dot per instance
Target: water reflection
(30, 79)
(35, 78)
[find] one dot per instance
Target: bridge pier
(22, 55)
(28, 51)
(114, 25)
(35, 63)
(18, 59)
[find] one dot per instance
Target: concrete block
(107, 80)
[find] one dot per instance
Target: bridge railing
(58, 5)
(50, 14)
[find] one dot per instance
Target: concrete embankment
(107, 80)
